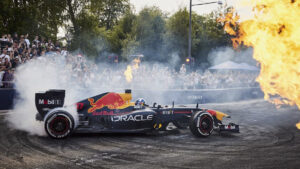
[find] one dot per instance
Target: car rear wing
(48, 100)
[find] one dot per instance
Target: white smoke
(38, 75)
(223, 54)
(80, 78)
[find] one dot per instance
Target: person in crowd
(36, 41)
(16, 38)
(64, 51)
(8, 77)
(9, 39)
(4, 56)
(4, 38)
(27, 40)
(7, 64)
(15, 63)
(18, 50)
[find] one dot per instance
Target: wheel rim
(59, 125)
(206, 124)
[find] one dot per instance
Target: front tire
(202, 124)
(59, 125)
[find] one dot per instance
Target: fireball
(128, 73)
(134, 66)
(274, 34)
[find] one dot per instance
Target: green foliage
(90, 41)
(210, 35)
(36, 17)
(99, 28)
(109, 11)
(120, 37)
(148, 31)
(176, 37)
(92, 22)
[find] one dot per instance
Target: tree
(121, 35)
(92, 25)
(148, 31)
(109, 11)
(209, 35)
(178, 30)
(176, 37)
(91, 40)
(36, 17)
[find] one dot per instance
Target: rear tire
(202, 124)
(59, 125)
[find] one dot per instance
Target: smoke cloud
(223, 54)
(82, 78)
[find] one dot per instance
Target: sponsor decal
(167, 112)
(131, 118)
(103, 113)
(79, 106)
(49, 101)
(182, 112)
(195, 97)
(110, 100)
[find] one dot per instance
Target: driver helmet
(140, 102)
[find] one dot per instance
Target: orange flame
(230, 21)
(134, 66)
(128, 74)
(298, 125)
(274, 34)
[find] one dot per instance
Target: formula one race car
(115, 113)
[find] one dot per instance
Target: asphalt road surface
(268, 139)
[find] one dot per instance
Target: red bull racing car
(115, 113)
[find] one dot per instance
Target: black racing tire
(202, 124)
(59, 125)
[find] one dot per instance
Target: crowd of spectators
(219, 80)
(164, 78)
(16, 50)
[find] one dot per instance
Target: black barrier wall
(168, 96)
(6, 98)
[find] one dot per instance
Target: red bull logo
(110, 100)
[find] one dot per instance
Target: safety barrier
(179, 96)
(200, 96)
(6, 98)
(7, 84)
